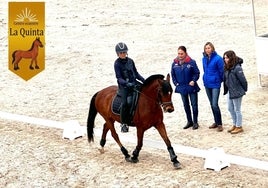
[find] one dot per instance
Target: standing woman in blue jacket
(235, 87)
(185, 74)
(213, 66)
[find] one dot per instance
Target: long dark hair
(232, 59)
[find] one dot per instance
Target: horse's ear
(168, 77)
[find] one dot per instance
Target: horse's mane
(33, 44)
(152, 78)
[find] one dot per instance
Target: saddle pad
(116, 104)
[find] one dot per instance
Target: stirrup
(124, 128)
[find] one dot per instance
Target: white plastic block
(216, 159)
(72, 130)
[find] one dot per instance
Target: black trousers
(124, 111)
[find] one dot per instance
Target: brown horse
(32, 53)
(154, 94)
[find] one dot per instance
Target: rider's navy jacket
(125, 71)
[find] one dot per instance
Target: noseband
(162, 104)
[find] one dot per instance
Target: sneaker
(237, 130)
(188, 125)
(195, 126)
(220, 129)
(231, 129)
(124, 128)
(213, 126)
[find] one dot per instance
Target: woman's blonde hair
(211, 45)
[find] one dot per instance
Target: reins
(158, 102)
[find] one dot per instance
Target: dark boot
(124, 128)
(213, 126)
(124, 118)
(188, 125)
(195, 126)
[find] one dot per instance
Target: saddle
(132, 101)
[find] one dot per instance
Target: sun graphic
(26, 15)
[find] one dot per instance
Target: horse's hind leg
(31, 65)
(116, 138)
(123, 149)
(103, 137)
(16, 63)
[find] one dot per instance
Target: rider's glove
(129, 84)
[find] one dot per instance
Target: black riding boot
(124, 118)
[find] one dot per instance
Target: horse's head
(38, 42)
(165, 95)
(159, 90)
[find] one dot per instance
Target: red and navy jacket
(183, 74)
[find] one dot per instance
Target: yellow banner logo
(26, 38)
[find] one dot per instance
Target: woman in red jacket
(185, 73)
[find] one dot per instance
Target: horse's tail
(91, 119)
(13, 56)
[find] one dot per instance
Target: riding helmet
(121, 47)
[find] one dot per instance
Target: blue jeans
(213, 97)
(234, 107)
(194, 103)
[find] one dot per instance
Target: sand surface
(80, 40)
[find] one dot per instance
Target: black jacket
(235, 81)
(125, 72)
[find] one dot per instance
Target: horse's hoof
(134, 160)
(31, 67)
(101, 150)
(177, 165)
(128, 159)
(36, 67)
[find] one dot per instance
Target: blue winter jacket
(213, 70)
(183, 74)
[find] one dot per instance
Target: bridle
(158, 101)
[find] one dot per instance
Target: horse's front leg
(31, 65)
(163, 133)
(136, 152)
(36, 66)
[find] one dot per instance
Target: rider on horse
(127, 76)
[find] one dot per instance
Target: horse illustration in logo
(32, 53)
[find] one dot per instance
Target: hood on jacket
(186, 60)
(239, 60)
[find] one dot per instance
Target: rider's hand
(129, 84)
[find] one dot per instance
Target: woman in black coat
(235, 86)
